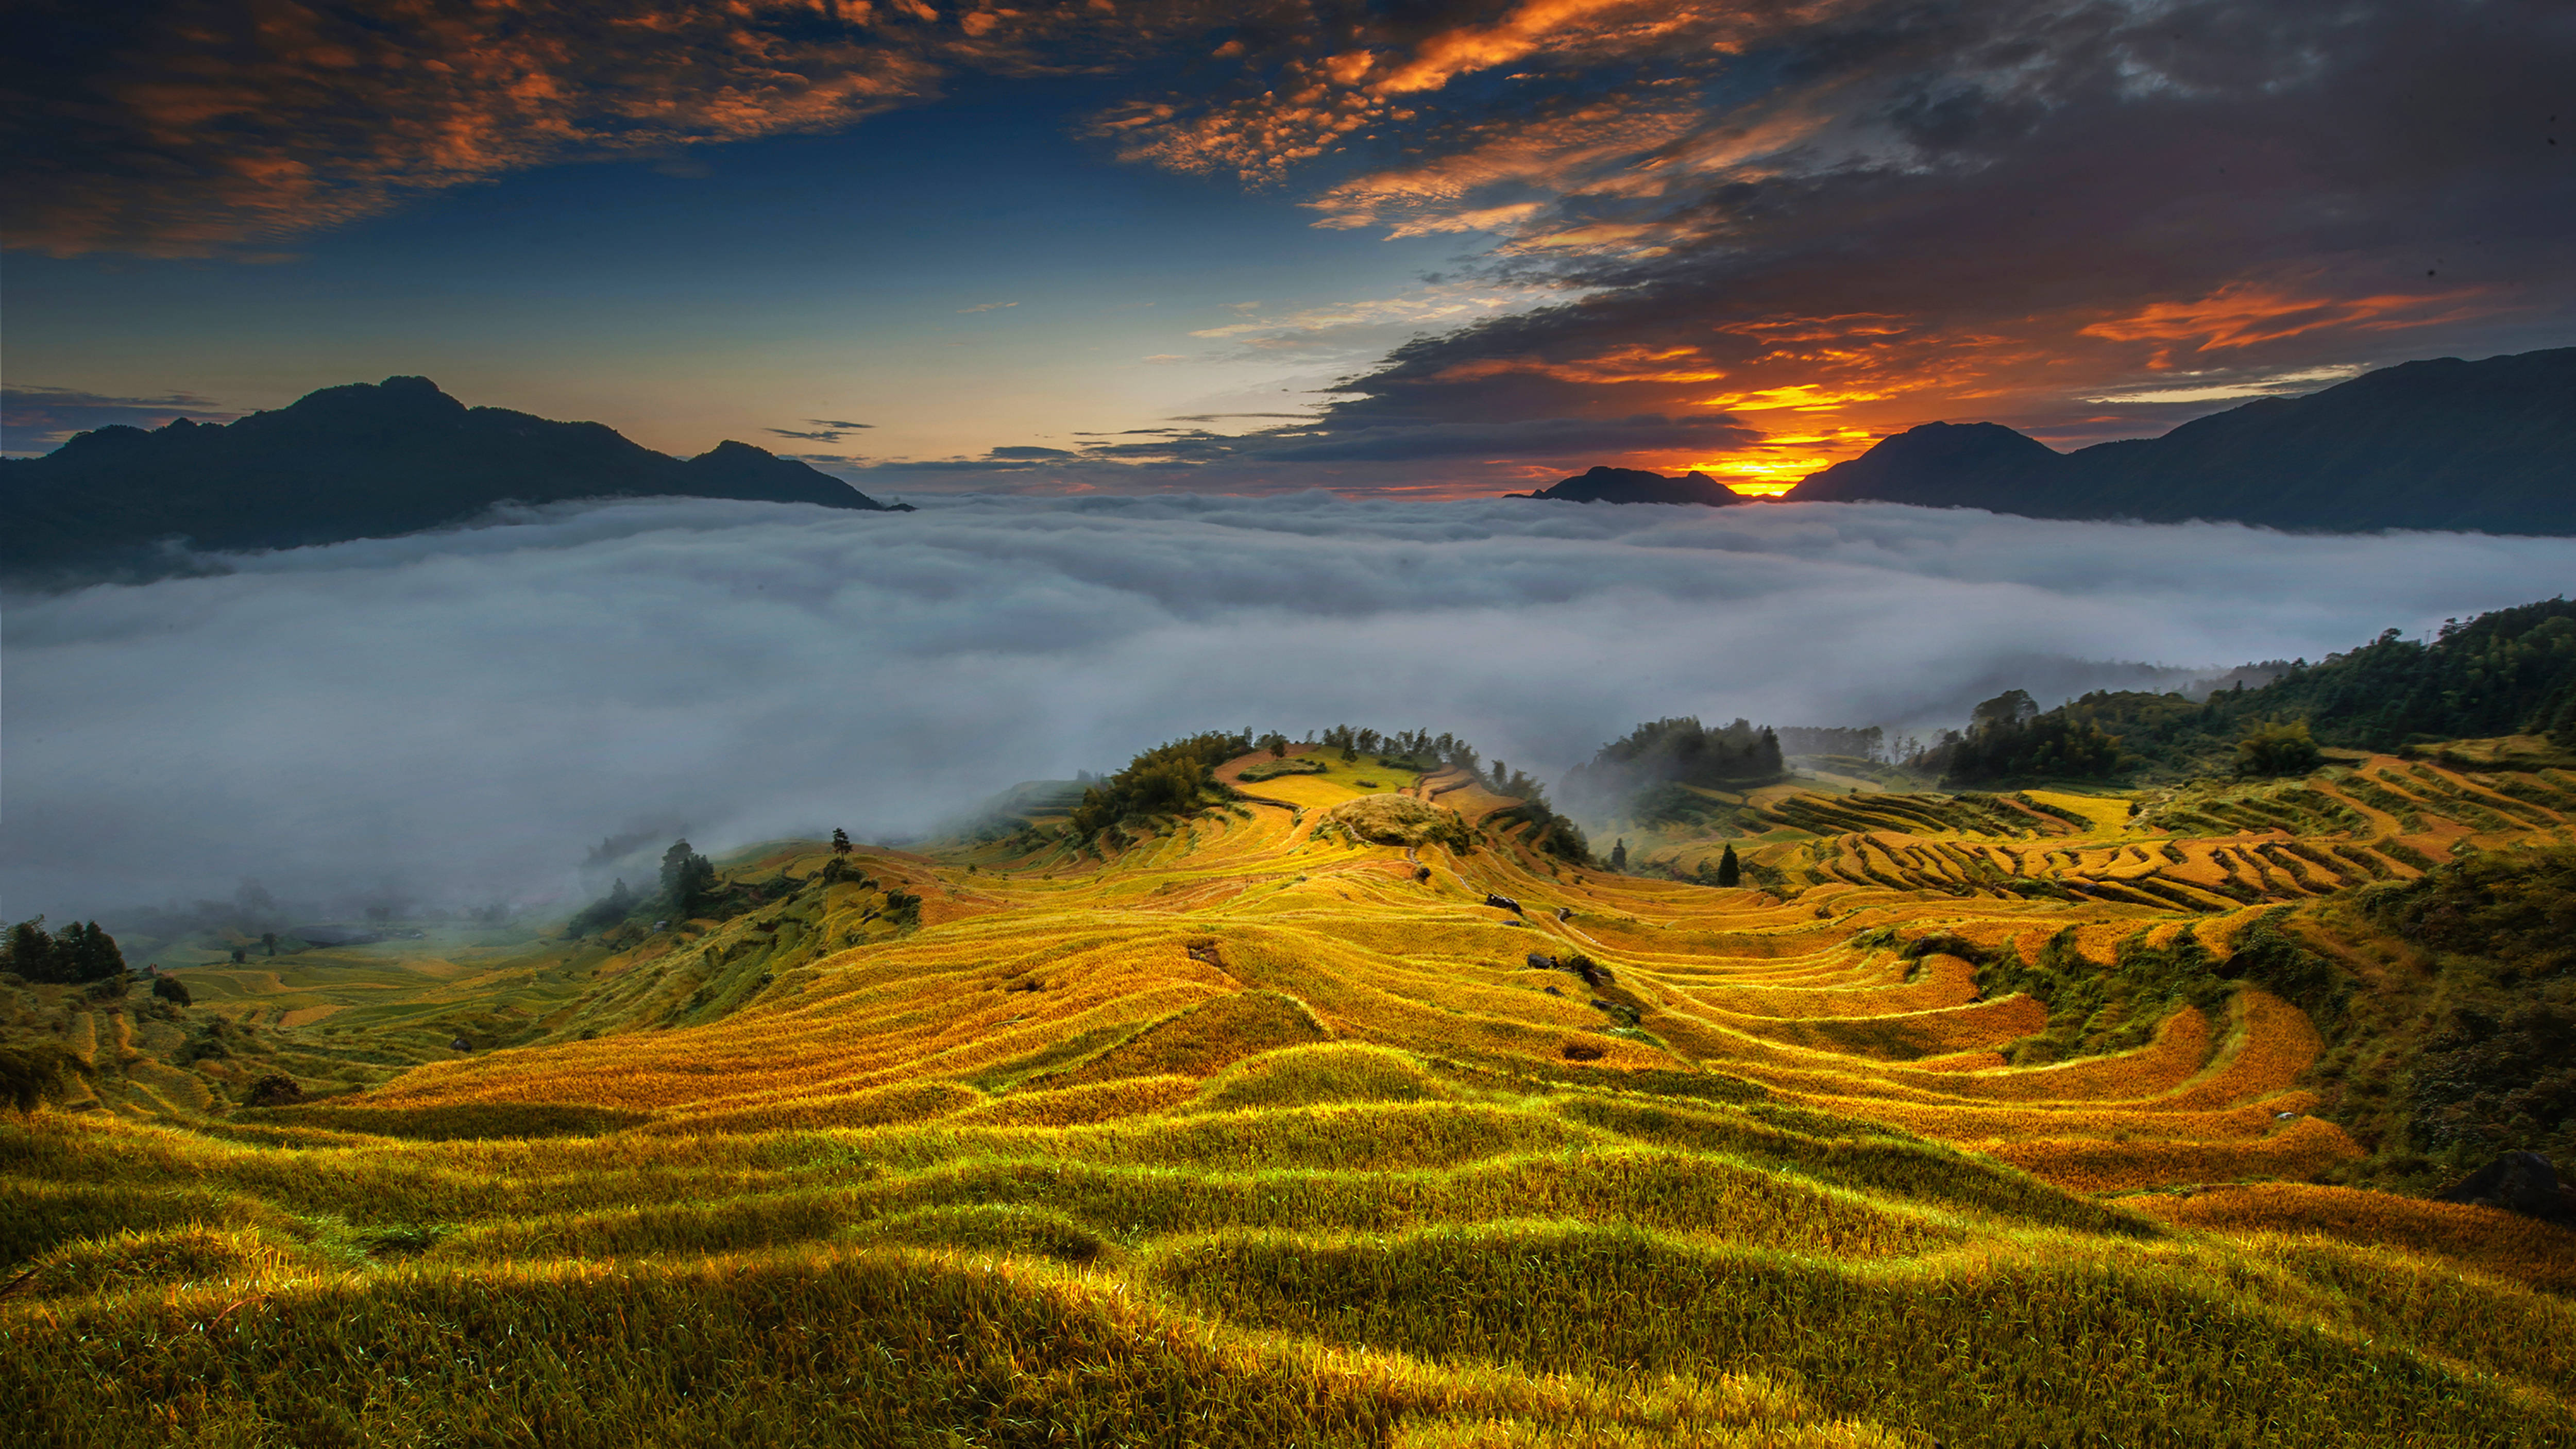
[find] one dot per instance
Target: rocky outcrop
(2521, 1182)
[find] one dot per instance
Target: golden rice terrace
(2026, 1118)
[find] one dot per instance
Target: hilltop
(2485, 446)
(1271, 1092)
(366, 460)
(1635, 485)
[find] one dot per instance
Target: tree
(240, 955)
(1730, 871)
(1171, 779)
(171, 989)
(269, 939)
(2277, 749)
(86, 953)
(605, 912)
(1619, 854)
(686, 878)
(81, 953)
(29, 950)
(840, 841)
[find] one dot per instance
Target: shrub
(274, 1090)
(2277, 749)
(33, 1076)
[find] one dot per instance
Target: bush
(274, 1090)
(2278, 749)
(32, 1076)
(172, 989)
(607, 911)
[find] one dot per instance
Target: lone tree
(686, 878)
(1619, 854)
(840, 841)
(2279, 749)
(269, 939)
(1730, 871)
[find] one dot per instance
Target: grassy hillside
(1970, 1119)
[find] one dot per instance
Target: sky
(457, 719)
(1391, 250)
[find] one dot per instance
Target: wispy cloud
(986, 307)
(822, 430)
(2305, 379)
(35, 419)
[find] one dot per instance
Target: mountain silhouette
(361, 461)
(1635, 485)
(2480, 446)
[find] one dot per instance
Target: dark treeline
(80, 952)
(2008, 736)
(2512, 671)
(688, 886)
(1859, 744)
(1678, 752)
(1170, 779)
(1418, 750)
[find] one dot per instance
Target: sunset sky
(1434, 249)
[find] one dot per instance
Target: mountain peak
(2488, 446)
(362, 460)
(1605, 484)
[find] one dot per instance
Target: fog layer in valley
(463, 717)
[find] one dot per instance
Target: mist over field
(463, 717)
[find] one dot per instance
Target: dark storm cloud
(40, 419)
(466, 716)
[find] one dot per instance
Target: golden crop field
(1253, 1130)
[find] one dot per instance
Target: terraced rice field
(2208, 848)
(1255, 1131)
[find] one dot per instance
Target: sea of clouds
(458, 717)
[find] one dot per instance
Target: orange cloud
(1801, 396)
(2242, 314)
(1634, 363)
(233, 123)
(1594, 149)
(1482, 47)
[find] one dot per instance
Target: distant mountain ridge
(366, 460)
(1636, 485)
(2485, 446)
